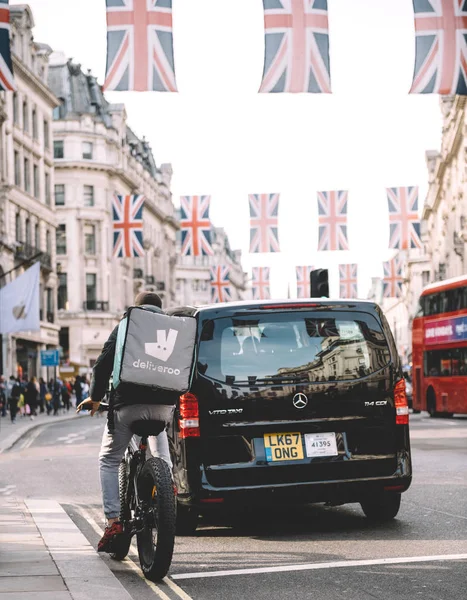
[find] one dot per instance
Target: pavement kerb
(85, 574)
(20, 430)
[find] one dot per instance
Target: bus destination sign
(444, 331)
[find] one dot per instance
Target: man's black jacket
(126, 393)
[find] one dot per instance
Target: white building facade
(97, 156)
(193, 273)
(27, 219)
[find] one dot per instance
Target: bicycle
(147, 505)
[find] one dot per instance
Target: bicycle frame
(135, 457)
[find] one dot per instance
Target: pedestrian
(56, 396)
(66, 397)
(32, 396)
(78, 390)
(13, 400)
(2, 396)
(85, 386)
(42, 394)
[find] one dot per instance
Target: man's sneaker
(105, 544)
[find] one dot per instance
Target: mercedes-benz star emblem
(300, 401)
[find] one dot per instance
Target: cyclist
(129, 403)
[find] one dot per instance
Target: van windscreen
(283, 346)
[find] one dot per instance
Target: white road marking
(134, 567)
(316, 566)
(7, 490)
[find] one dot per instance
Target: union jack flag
(348, 279)
(195, 226)
(404, 224)
(128, 225)
(220, 284)
(441, 47)
(7, 82)
(264, 209)
(260, 287)
(332, 209)
(140, 46)
(393, 280)
(297, 46)
(303, 281)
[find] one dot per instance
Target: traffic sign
(50, 358)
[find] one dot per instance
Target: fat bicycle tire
(121, 545)
(156, 490)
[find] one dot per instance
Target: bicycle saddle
(145, 427)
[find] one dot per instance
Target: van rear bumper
(333, 492)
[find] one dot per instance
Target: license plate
(283, 446)
(320, 444)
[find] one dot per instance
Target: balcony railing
(50, 316)
(96, 305)
(26, 251)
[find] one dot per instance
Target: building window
(28, 232)
(17, 169)
(18, 228)
(35, 134)
(15, 109)
(62, 292)
(48, 243)
(27, 175)
(25, 116)
(61, 239)
(60, 110)
(90, 239)
(37, 236)
(36, 181)
(48, 199)
(87, 150)
(49, 293)
(46, 135)
(88, 195)
(91, 292)
(59, 194)
(59, 149)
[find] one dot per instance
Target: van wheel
(187, 520)
(431, 403)
(383, 507)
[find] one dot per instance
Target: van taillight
(189, 416)
(401, 404)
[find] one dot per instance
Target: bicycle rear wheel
(156, 540)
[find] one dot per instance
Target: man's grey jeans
(114, 446)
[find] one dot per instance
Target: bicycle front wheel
(156, 539)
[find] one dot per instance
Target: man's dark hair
(148, 298)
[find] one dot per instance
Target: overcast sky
(226, 140)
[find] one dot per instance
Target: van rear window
(331, 346)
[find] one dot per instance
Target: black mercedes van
(293, 401)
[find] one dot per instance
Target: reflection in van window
(329, 347)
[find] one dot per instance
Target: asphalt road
(296, 553)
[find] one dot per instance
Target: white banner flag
(19, 303)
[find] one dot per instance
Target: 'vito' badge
(300, 401)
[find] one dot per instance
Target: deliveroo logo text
(164, 347)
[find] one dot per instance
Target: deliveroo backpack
(155, 350)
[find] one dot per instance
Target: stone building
(193, 273)
(444, 217)
(27, 219)
(96, 156)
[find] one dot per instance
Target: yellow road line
(134, 567)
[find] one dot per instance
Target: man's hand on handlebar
(90, 405)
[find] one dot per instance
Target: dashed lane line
(317, 566)
(134, 567)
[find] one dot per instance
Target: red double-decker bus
(439, 349)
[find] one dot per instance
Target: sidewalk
(44, 556)
(10, 434)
